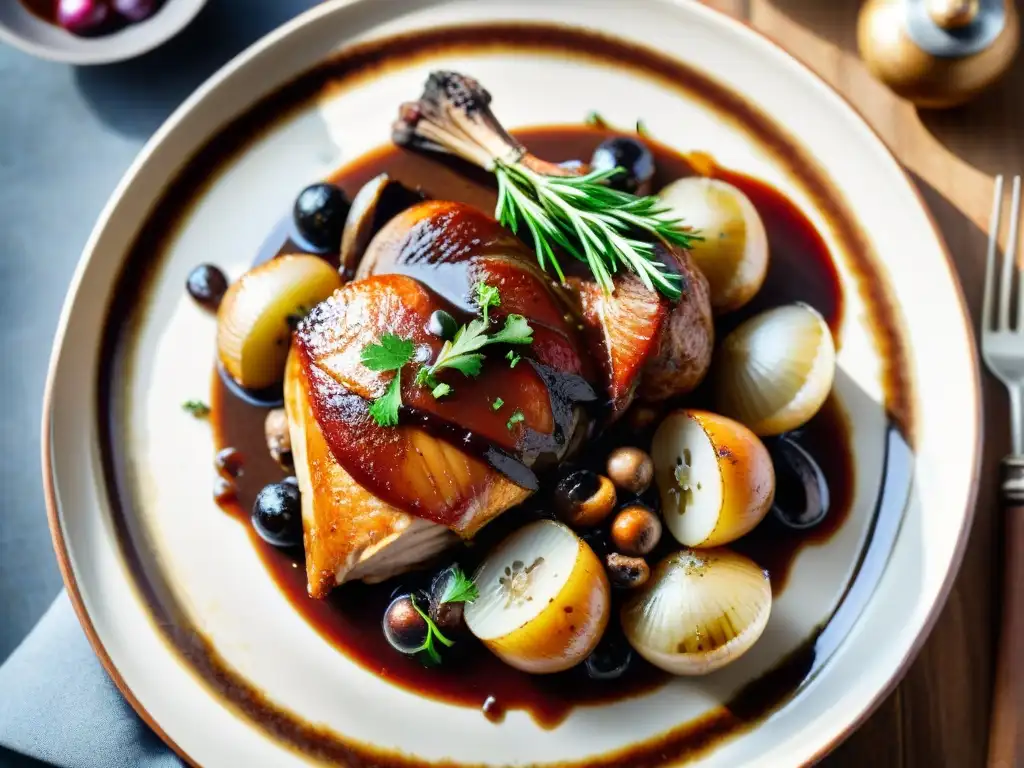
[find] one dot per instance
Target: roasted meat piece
(379, 500)
(630, 331)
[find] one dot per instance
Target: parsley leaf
(498, 402)
(384, 409)
(433, 633)
(516, 331)
(459, 589)
(197, 408)
(487, 296)
(441, 390)
(462, 353)
(390, 354)
(515, 418)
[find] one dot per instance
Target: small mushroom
(636, 530)
(279, 441)
(583, 499)
(630, 469)
(640, 417)
(628, 572)
(379, 201)
(447, 616)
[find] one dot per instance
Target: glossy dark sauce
(801, 270)
(235, 423)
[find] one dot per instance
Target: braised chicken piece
(645, 343)
(378, 500)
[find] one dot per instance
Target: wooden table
(938, 716)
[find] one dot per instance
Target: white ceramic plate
(767, 110)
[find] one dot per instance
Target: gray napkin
(58, 705)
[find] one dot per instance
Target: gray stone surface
(66, 136)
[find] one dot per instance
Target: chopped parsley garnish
(642, 130)
(441, 390)
(498, 402)
(384, 409)
(463, 352)
(433, 633)
(487, 296)
(459, 589)
(513, 358)
(515, 418)
(390, 354)
(594, 120)
(197, 408)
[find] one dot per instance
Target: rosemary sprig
(594, 223)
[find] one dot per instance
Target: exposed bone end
(453, 115)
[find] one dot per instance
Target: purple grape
(83, 17)
(137, 10)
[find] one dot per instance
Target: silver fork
(1002, 347)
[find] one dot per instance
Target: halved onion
(544, 599)
(715, 477)
(700, 611)
(733, 253)
(774, 372)
(253, 334)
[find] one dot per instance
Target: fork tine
(1009, 257)
(1014, 247)
(990, 255)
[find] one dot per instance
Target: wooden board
(938, 716)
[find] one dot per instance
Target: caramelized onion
(715, 477)
(255, 318)
(544, 599)
(774, 372)
(701, 610)
(733, 251)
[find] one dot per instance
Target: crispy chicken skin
(380, 500)
(348, 532)
(646, 344)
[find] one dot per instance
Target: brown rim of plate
(67, 574)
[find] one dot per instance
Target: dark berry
(632, 156)
(404, 627)
(320, 213)
(277, 515)
(610, 659)
(207, 285)
(442, 324)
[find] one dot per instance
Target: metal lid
(958, 41)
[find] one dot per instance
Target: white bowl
(24, 30)
(164, 542)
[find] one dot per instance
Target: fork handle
(1006, 737)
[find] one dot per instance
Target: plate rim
(740, 26)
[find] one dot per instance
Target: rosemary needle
(594, 223)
